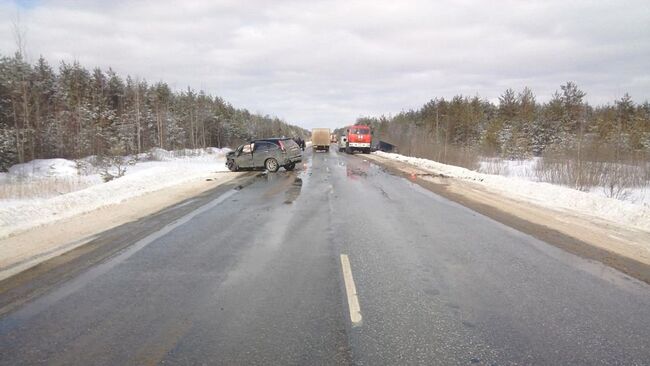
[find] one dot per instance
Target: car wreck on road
(270, 154)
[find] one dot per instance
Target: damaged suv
(270, 154)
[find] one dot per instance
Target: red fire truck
(358, 139)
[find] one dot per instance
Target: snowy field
(527, 169)
(516, 181)
(47, 190)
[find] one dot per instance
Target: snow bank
(43, 168)
(165, 169)
(527, 169)
(543, 194)
(193, 154)
(524, 168)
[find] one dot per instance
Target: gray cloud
(323, 63)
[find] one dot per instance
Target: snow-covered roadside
(164, 170)
(544, 194)
(526, 169)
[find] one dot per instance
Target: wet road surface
(336, 263)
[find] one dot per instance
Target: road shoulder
(590, 238)
(40, 258)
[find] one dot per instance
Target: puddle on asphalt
(294, 191)
(358, 169)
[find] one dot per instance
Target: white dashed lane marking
(351, 291)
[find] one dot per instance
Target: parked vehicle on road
(320, 139)
(379, 145)
(359, 138)
(343, 143)
(269, 154)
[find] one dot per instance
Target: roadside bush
(494, 166)
(449, 154)
(113, 166)
(596, 166)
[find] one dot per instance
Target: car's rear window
(359, 131)
(289, 143)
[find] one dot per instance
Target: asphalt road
(255, 276)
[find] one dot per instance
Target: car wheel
(366, 151)
(271, 165)
(348, 150)
(290, 166)
(232, 166)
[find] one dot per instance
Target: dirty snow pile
(46, 190)
(543, 194)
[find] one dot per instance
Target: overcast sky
(318, 63)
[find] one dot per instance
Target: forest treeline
(456, 130)
(72, 112)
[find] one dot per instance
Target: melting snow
(592, 204)
(164, 169)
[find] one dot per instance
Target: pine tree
(16, 84)
(624, 120)
(77, 111)
(101, 112)
(42, 94)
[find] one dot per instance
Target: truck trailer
(320, 139)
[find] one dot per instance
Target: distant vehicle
(359, 138)
(343, 143)
(384, 146)
(270, 154)
(320, 139)
(333, 138)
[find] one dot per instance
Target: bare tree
(20, 35)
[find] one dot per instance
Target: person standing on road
(300, 142)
